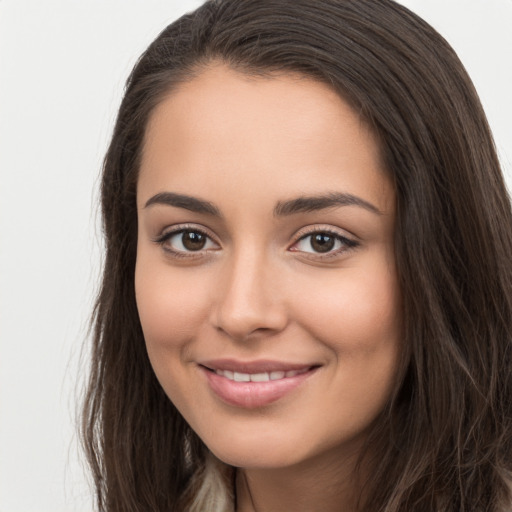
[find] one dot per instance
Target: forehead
(231, 133)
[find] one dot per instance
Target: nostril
(248, 334)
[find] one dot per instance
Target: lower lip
(251, 395)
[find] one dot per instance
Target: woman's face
(265, 278)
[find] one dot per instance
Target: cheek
(356, 312)
(356, 316)
(171, 304)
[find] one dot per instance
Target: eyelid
(324, 228)
(349, 241)
(176, 229)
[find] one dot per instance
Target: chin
(256, 451)
(255, 457)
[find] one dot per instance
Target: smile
(254, 385)
(259, 377)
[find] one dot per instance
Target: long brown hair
(444, 441)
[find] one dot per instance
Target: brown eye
(193, 241)
(322, 242)
(183, 241)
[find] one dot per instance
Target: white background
(62, 68)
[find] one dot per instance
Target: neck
(329, 483)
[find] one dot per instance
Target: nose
(249, 302)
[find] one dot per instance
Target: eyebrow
(183, 201)
(302, 204)
(306, 204)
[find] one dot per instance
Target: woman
(306, 301)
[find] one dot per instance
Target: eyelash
(166, 236)
(347, 243)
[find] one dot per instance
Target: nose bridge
(248, 301)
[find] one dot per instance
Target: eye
(186, 240)
(324, 243)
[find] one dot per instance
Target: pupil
(322, 242)
(193, 241)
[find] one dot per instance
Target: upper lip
(259, 366)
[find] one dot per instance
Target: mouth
(255, 384)
(258, 377)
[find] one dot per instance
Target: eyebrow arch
(183, 201)
(313, 203)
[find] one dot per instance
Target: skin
(258, 289)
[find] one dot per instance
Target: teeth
(258, 377)
(295, 372)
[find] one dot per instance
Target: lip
(252, 395)
(262, 365)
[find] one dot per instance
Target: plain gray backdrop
(62, 68)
